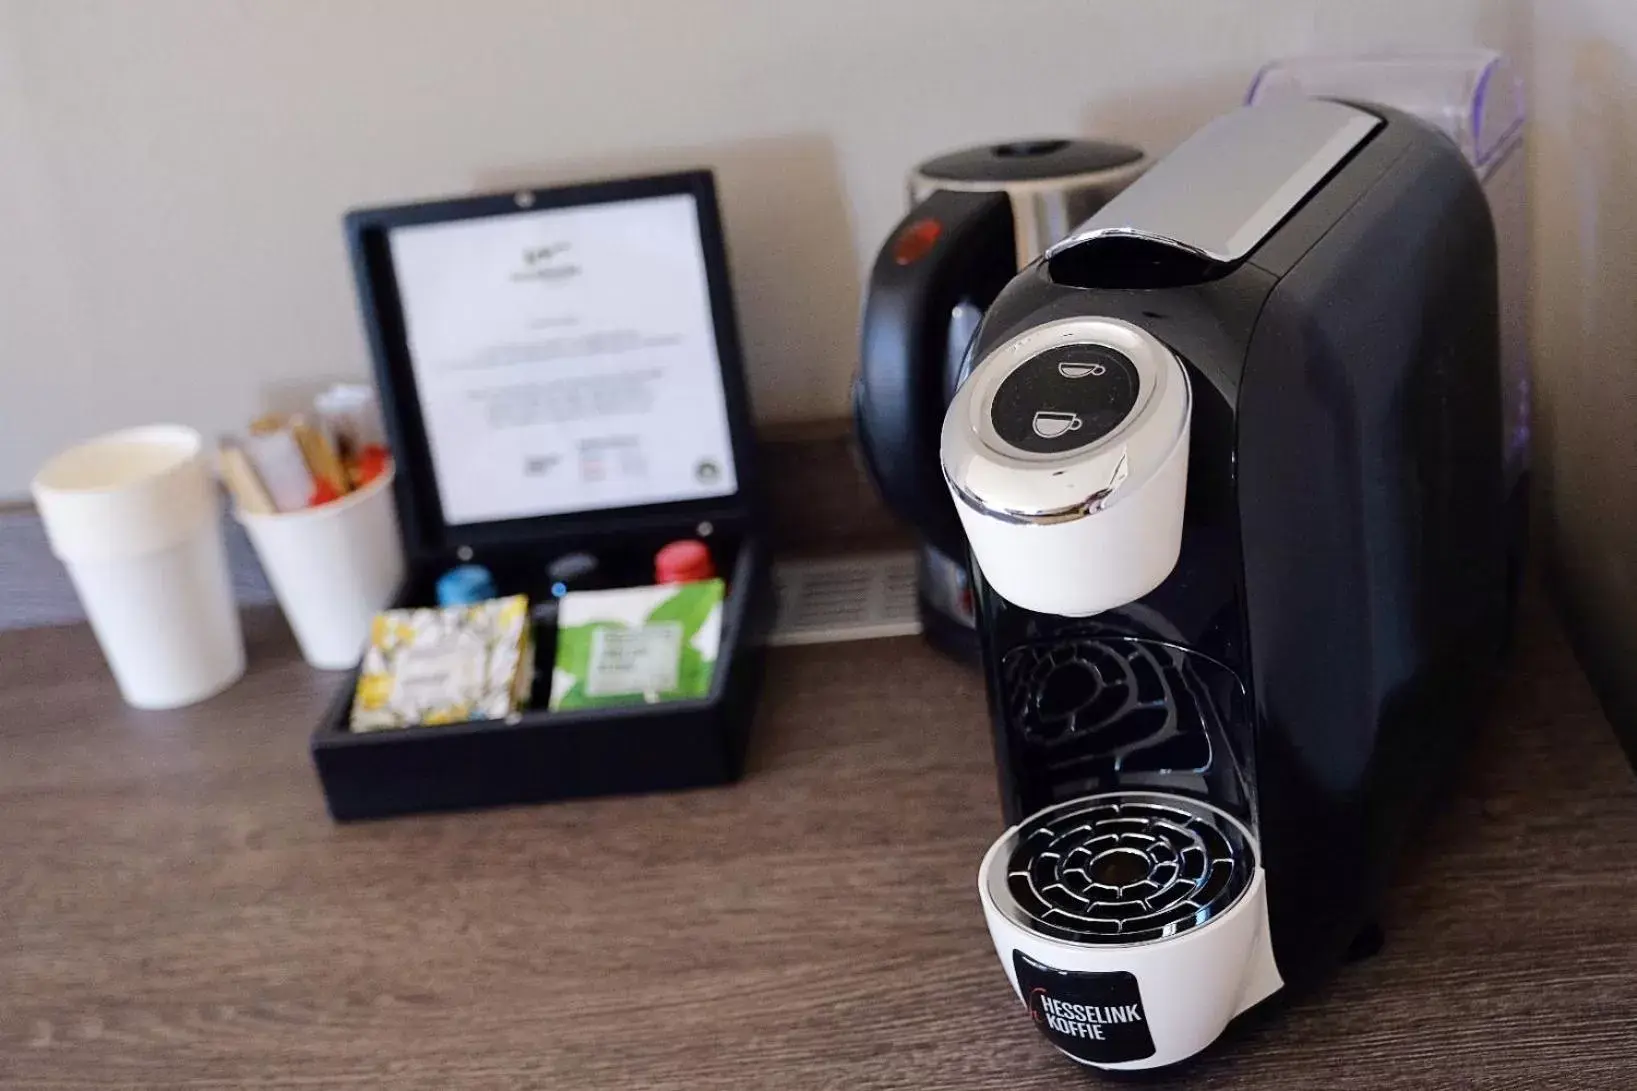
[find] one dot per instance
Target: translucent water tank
(1477, 98)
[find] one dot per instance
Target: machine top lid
(1035, 160)
(1221, 193)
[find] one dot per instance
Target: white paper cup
(333, 568)
(134, 516)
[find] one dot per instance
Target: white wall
(1585, 177)
(172, 172)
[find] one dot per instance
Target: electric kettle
(977, 216)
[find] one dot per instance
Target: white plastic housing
(1191, 984)
(1085, 531)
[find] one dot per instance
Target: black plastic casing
(1341, 604)
(540, 755)
(905, 354)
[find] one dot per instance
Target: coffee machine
(1229, 461)
(977, 216)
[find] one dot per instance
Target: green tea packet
(636, 645)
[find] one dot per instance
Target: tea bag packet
(443, 665)
(636, 645)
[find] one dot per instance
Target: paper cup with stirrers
(332, 567)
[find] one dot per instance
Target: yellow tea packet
(444, 665)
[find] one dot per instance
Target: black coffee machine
(977, 216)
(1229, 462)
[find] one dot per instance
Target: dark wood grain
(177, 911)
(819, 496)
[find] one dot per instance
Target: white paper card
(566, 359)
(634, 660)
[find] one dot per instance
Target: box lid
(556, 362)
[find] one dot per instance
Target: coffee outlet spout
(1066, 451)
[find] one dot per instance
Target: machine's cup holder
(1133, 925)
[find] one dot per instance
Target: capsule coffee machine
(1229, 461)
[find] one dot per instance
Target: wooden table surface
(176, 910)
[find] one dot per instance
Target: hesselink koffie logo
(1081, 1020)
(1098, 1018)
(546, 263)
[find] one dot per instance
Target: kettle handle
(952, 248)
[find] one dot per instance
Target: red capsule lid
(683, 562)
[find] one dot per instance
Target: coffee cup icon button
(1050, 425)
(1079, 371)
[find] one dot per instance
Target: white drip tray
(860, 596)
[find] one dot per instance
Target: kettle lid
(1033, 160)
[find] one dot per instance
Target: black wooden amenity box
(559, 371)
